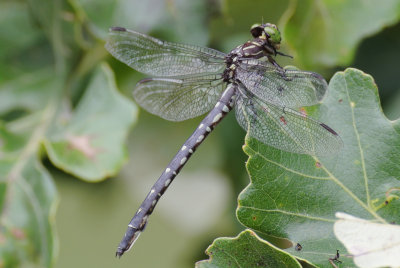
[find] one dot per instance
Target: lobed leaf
(296, 196)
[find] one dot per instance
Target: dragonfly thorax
(254, 49)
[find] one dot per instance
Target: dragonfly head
(269, 32)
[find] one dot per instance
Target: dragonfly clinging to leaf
(192, 80)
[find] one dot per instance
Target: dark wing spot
(120, 29)
(329, 129)
(145, 80)
(318, 76)
(280, 89)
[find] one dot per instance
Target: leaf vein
(289, 213)
(359, 146)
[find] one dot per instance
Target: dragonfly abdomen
(139, 221)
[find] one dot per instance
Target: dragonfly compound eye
(256, 30)
(274, 35)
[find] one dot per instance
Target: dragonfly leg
(271, 60)
(279, 68)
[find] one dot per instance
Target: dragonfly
(190, 80)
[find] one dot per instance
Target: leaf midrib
(368, 207)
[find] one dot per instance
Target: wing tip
(329, 129)
(145, 80)
(317, 75)
(117, 29)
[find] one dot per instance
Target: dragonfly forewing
(286, 87)
(284, 128)
(179, 99)
(154, 57)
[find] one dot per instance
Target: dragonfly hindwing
(179, 99)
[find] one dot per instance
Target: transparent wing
(179, 99)
(290, 88)
(284, 128)
(162, 59)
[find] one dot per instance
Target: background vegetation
(61, 105)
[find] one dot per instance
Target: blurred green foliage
(59, 104)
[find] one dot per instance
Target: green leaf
(328, 32)
(37, 78)
(90, 145)
(14, 19)
(296, 196)
(29, 91)
(233, 28)
(246, 250)
(186, 18)
(28, 201)
(20, 53)
(371, 244)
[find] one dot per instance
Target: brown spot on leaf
(318, 164)
(83, 144)
(283, 120)
(392, 194)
